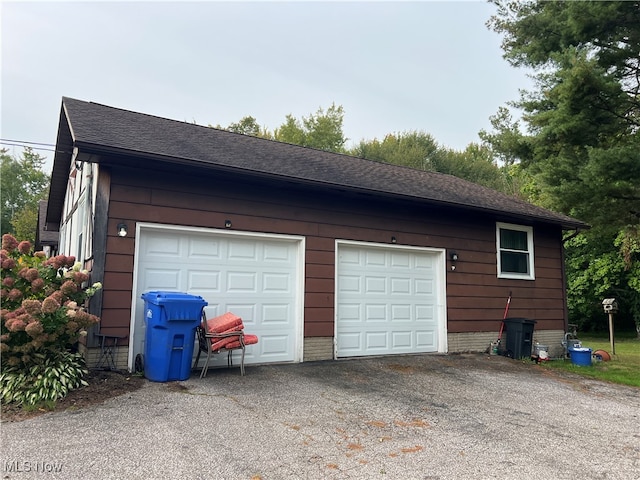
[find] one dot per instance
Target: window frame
(530, 251)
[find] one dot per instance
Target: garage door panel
(276, 282)
(401, 340)
(376, 341)
(374, 259)
(203, 249)
(162, 279)
(426, 314)
(275, 348)
(375, 313)
(426, 339)
(203, 279)
(400, 260)
(423, 286)
(397, 310)
(162, 247)
(274, 253)
(376, 284)
(244, 282)
(242, 251)
(400, 285)
(401, 313)
(275, 314)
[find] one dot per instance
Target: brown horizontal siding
(475, 295)
(119, 280)
(116, 318)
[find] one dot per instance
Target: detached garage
(323, 255)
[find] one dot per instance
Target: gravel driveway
(400, 417)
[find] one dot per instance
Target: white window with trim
(514, 245)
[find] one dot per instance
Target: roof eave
(93, 153)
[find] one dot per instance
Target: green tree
(412, 149)
(322, 130)
(25, 222)
(419, 150)
(22, 184)
(583, 119)
(581, 145)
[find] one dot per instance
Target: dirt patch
(103, 385)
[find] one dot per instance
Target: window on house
(515, 251)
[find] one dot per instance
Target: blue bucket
(580, 356)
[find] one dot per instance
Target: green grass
(623, 368)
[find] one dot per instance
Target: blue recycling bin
(171, 319)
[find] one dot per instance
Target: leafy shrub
(50, 378)
(41, 320)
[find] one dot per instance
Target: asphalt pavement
(398, 417)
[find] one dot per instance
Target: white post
(611, 340)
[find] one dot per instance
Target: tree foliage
(25, 222)
(581, 145)
(583, 119)
(321, 130)
(419, 150)
(22, 184)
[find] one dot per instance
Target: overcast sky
(429, 66)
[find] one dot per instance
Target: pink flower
(80, 277)
(9, 242)
(68, 288)
(50, 305)
(17, 325)
(31, 274)
(40, 255)
(8, 263)
(15, 294)
(32, 307)
(4, 347)
(34, 329)
(37, 285)
(72, 326)
(8, 281)
(24, 247)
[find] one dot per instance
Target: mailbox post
(610, 306)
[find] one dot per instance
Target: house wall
(76, 227)
(476, 298)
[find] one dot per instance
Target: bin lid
(520, 320)
(160, 297)
(580, 349)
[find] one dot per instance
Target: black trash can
(519, 332)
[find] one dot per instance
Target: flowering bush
(42, 313)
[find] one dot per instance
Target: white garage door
(257, 277)
(390, 300)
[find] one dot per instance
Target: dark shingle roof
(98, 128)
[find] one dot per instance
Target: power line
(25, 144)
(3, 140)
